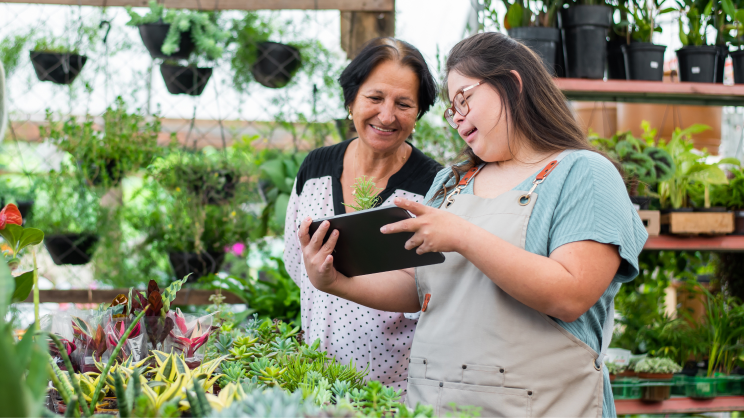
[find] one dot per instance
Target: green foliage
(436, 138)
(730, 273)
(203, 26)
(521, 13)
(729, 195)
(65, 204)
(279, 172)
(248, 32)
(645, 15)
(614, 368)
(125, 143)
(657, 365)
(699, 14)
(644, 165)
(724, 331)
(365, 194)
(690, 168)
(736, 16)
(11, 49)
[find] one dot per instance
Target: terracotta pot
(613, 377)
(627, 373)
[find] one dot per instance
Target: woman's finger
(317, 239)
(413, 243)
(303, 233)
(327, 264)
(409, 225)
(330, 245)
(414, 207)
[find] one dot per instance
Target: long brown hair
(539, 112)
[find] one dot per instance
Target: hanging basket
(97, 177)
(74, 249)
(57, 68)
(215, 194)
(185, 80)
(153, 36)
(196, 264)
(276, 64)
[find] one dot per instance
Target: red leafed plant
(10, 215)
(118, 331)
(54, 352)
(191, 339)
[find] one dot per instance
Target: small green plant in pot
(533, 23)
(656, 368)
(67, 210)
(125, 143)
(697, 60)
(736, 16)
(644, 60)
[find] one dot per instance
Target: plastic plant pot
(698, 63)
(543, 41)
(73, 249)
(196, 264)
(737, 59)
(276, 64)
(154, 34)
(57, 68)
(701, 388)
(585, 39)
(738, 222)
(185, 80)
(616, 60)
(644, 61)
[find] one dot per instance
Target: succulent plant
(662, 365)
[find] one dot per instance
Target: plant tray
(709, 223)
(626, 389)
(652, 221)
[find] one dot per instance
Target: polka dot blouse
(349, 331)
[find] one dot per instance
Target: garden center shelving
(680, 405)
(682, 243)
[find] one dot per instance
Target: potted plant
(67, 211)
(614, 369)
(202, 211)
(533, 24)
(737, 25)
(584, 25)
(619, 35)
(697, 60)
(56, 62)
(271, 64)
(161, 37)
(661, 370)
(13, 191)
(643, 59)
(165, 32)
(125, 143)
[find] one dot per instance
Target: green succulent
(657, 365)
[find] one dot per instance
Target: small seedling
(365, 194)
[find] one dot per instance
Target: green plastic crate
(626, 389)
(701, 387)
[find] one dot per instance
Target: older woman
(387, 87)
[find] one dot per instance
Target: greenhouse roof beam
(342, 5)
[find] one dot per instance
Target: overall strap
(607, 328)
(462, 184)
(524, 199)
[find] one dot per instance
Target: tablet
(362, 249)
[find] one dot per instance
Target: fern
(365, 194)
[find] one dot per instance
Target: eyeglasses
(460, 105)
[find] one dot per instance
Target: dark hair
(379, 50)
(539, 111)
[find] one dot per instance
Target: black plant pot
(543, 41)
(24, 206)
(644, 61)
(643, 202)
(185, 80)
(196, 264)
(276, 64)
(698, 63)
(616, 60)
(154, 34)
(723, 52)
(75, 249)
(96, 176)
(737, 58)
(585, 40)
(738, 222)
(57, 68)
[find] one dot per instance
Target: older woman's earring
(350, 117)
(414, 129)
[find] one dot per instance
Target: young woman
(387, 87)
(539, 235)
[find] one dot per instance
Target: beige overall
(476, 345)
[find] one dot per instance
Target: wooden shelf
(680, 405)
(343, 5)
(692, 243)
(708, 94)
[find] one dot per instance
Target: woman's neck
(378, 165)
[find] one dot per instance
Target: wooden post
(359, 27)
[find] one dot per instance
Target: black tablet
(362, 249)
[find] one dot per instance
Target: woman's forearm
(393, 291)
(564, 285)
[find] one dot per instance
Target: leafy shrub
(657, 365)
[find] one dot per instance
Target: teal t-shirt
(584, 198)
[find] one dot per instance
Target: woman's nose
(387, 113)
(458, 118)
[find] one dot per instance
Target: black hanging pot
(644, 61)
(185, 80)
(616, 60)
(57, 67)
(97, 177)
(737, 58)
(276, 64)
(584, 33)
(215, 194)
(196, 264)
(153, 36)
(543, 41)
(75, 249)
(698, 63)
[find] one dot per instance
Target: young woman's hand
(317, 256)
(434, 229)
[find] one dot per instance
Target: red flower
(10, 215)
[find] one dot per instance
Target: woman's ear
(519, 78)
